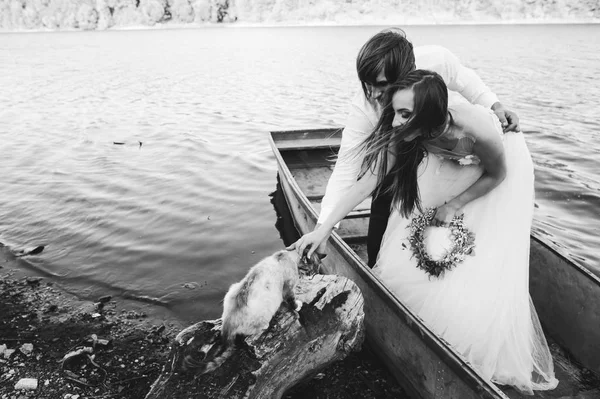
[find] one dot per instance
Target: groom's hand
(508, 119)
(311, 243)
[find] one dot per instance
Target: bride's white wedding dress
(482, 307)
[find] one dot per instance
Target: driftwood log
(295, 347)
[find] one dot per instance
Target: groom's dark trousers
(380, 213)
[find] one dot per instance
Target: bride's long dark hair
(429, 119)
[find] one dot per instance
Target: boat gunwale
(432, 340)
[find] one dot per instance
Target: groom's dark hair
(388, 50)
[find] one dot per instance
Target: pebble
(88, 308)
(33, 280)
(26, 349)
(319, 376)
(27, 383)
(6, 352)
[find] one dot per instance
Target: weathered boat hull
(422, 362)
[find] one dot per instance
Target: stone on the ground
(26, 349)
(27, 383)
(6, 352)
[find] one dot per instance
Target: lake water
(181, 209)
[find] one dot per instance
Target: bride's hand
(314, 241)
(444, 214)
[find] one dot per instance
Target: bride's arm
(489, 149)
(357, 194)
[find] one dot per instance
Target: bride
(456, 161)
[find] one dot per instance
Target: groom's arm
(465, 81)
(359, 125)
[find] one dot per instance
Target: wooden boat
(566, 295)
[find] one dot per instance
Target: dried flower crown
(463, 243)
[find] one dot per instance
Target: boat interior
(311, 161)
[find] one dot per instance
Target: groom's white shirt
(363, 116)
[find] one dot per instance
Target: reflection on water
(285, 221)
(174, 221)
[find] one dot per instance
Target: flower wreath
(463, 243)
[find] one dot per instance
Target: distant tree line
(104, 14)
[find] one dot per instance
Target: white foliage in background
(11, 12)
(201, 10)
(222, 11)
(152, 10)
(125, 13)
(51, 14)
(86, 16)
(213, 11)
(181, 11)
(103, 14)
(105, 20)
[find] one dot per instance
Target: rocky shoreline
(56, 346)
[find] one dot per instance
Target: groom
(385, 58)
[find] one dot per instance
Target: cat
(250, 304)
